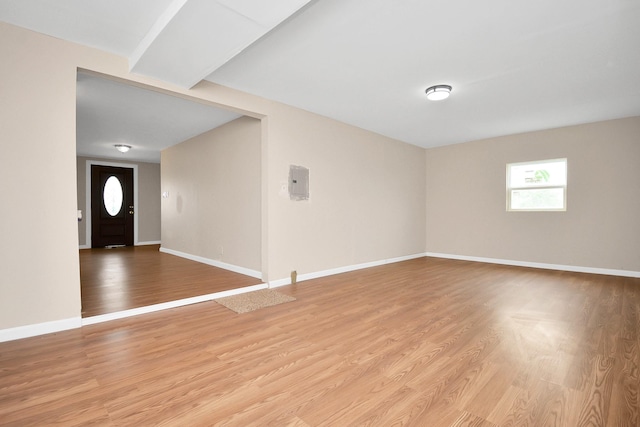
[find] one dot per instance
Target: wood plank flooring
(130, 277)
(426, 342)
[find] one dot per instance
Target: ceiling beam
(193, 38)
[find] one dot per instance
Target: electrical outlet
(294, 277)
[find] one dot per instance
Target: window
(537, 186)
(112, 195)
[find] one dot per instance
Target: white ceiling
(515, 66)
(194, 37)
(110, 113)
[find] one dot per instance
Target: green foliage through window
(537, 186)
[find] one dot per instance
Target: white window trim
(543, 186)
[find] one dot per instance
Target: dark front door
(111, 206)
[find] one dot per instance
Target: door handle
(131, 212)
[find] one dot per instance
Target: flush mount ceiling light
(438, 92)
(122, 148)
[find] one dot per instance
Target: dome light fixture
(438, 92)
(122, 148)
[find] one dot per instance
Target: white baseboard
(279, 282)
(345, 269)
(27, 331)
(77, 322)
(152, 242)
(39, 329)
(577, 269)
(573, 268)
(171, 304)
(219, 264)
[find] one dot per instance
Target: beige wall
(367, 196)
(213, 208)
(369, 201)
(367, 192)
(39, 281)
(601, 228)
(148, 208)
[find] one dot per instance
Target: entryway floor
(120, 279)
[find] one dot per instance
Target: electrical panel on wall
(298, 183)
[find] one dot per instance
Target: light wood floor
(136, 276)
(426, 342)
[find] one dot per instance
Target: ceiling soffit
(192, 38)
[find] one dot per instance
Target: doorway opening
(134, 277)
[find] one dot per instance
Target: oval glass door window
(112, 195)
